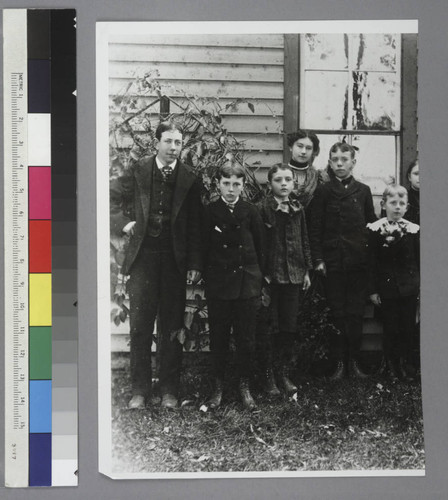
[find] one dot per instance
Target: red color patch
(40, 246)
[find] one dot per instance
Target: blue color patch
(40, 406)
(40, 460)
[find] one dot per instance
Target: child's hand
(321, 268)
(375, 298)
(306, 281)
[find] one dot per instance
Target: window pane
(376, 161)
(325, 51)
(376, 101)
(325, 143)
(324, 100)
(375, 52)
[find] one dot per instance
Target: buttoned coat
(130, 198)
(291, 249)
(394, 269)
(234, 257)
(338, 232)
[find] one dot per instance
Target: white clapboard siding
(197, 71)
(196, 54)
(262, 107)
(214, 40)
(212, 88)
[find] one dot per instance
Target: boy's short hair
(275, 168)
(229, 169)
(167, 126)
(394, 189)
(343, 147)
(304, 134)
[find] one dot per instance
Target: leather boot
(216, 397)
(246, 396)
(391, 370)
(356, 370)
(268, 384)
(339, 371)
(288, 386)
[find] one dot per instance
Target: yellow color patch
(40, 299)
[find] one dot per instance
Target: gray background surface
(433, 143)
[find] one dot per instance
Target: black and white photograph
(258, 249)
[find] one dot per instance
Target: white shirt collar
(160, 165)
(227, 203)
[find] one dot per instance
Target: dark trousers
(277, 327)
(240, 316)
(399, 326)
(156, 287)
(346, 296)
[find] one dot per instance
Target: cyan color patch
(40, 406)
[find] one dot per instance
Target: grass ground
(351, 424)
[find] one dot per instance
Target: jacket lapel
(143, 176)
(184, 181)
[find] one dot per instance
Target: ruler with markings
(39, 75)
(16, 249)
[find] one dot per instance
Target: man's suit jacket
(130, 198)
(338, 233)
(234, 244)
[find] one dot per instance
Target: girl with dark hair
(304, 147)
(413, 211)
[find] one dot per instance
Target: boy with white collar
(395, 279)
(233, 239)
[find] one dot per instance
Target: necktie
(231, 206)
(167, 172)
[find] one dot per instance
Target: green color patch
(40, 353)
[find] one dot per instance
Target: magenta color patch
(39, 182)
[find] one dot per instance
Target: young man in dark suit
(157, 204)
(234, 242)
(340, 212)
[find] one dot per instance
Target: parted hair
(304, 134)
(167, 126)
(394, 189)
(275, 168)
(230, 169)
(343, 147)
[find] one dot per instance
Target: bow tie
(167, 172)
(283, 206)
(346, 182)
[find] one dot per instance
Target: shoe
(287, 385)
(406, 371)
(339, 372)
(246, 396)
(169, 401)
(216, 397)
(391, 370)
(137, 402)
(356, 370)
(269, 386)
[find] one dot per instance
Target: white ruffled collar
(379, 224)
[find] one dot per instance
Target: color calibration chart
(41, 331)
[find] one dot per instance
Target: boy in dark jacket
(234, 238)
(339, 246)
